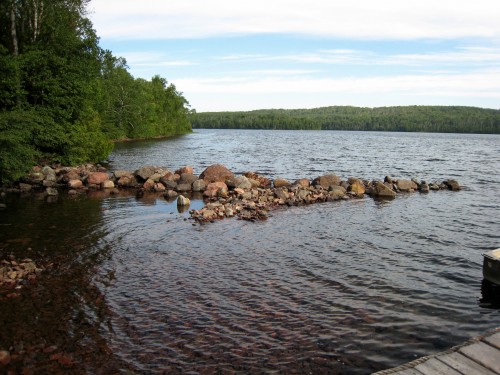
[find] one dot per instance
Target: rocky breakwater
(252, 197)
(248, 196)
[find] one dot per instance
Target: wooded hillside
(451, 119)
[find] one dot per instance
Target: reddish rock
(75, 184)
(159, 187)
(280, 182)
(186, 169)
(303, 182)
(149, 184)
(214, 188)
(4, 357)
(216, 173)
(97, 178)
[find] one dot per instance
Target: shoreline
(248, 196)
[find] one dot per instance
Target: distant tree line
(63, 98)
(442, 119)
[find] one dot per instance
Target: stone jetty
(249, 196)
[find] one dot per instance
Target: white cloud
(361, 19)
(471, 84)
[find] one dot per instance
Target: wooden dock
(478, 356)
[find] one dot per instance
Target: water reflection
(54, 324)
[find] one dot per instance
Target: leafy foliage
(62, 97)
(451, 119)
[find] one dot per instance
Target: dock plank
(493, 340)
(478, 356)
(435, 367)
(464, 365)
(483, 354)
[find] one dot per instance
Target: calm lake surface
(344, 287)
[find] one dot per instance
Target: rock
(183, 187)
(97, 178)
(127, 181)
(24, 187)
(51, 191)
(108, 184)
(303, 182)
(336, 192)
(327, 181)
(282, 193)
(241, 182)
(280, 182)
(199, 185)
(405, 185)
(49, 174)
(169, 184)
(48, 183)
(4, 357)
(263, 181)
(75, 184)
(183, 201)
(388, 179)
(155, 177)
(302, 194)
(357, 188)
(452, 185)
(120, 173)
(145, 172)
(216, 173)
(382, 190)
(170, 194)
(149, 184)
(159, 187)
(36, 178)
(424, 188)
(185, 169)
(187, 178)
(208, 214)
(213, 189)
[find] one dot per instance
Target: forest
(65, 99)
(442, 119)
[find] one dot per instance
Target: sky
(243, 55)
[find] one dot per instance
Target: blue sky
(229, 55)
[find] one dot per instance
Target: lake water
(344, 287)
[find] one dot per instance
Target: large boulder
(216, 173)
(97, 178)
(406, 185)
(145, 172)
(452, 185)
(187, 178)
(327, 181)
(382, 190)
(303, 182)
(336, 192)
(49, 174)
(357, 187)
(199, 185)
